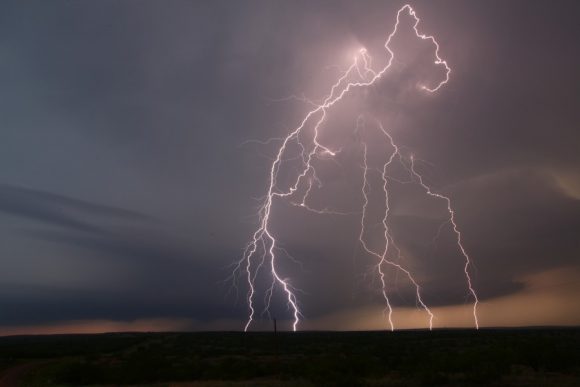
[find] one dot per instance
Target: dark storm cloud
(60, 210)
(124, 120)
(156, 279)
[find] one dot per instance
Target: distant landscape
(490, 357)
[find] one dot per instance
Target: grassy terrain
(532, 357)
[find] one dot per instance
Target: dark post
(276, 361)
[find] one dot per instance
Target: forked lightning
(263, 251)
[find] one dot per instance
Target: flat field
(488, 357)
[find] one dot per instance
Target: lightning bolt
(263, 251)
(389, 240)
(451, 220)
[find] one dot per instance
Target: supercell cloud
(127, 185)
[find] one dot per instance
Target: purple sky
(127, 188)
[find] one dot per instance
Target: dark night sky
(127, 187)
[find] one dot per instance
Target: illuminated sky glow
(263, 246)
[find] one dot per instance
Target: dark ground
(518, 357)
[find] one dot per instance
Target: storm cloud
(128, 185)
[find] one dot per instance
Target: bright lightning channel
(263, 251)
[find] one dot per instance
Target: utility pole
(276, 360)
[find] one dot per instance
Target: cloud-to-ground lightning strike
(263, 251)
